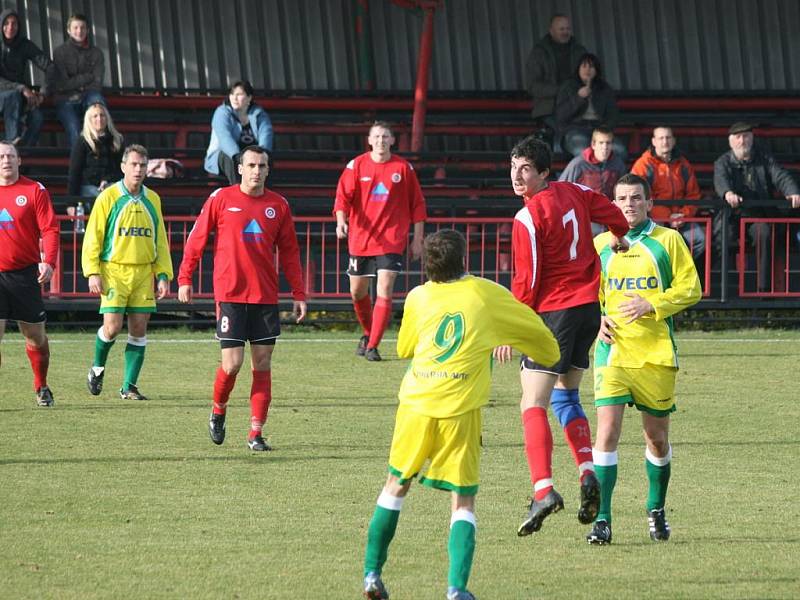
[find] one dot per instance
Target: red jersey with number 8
(555, 263)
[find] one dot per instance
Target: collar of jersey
(640, 231)
(126, 192)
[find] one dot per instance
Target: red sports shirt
(382, 200)
(26, 214)
(248, 230)
(555, 263)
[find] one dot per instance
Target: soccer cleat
(600, 533)
(539, 509)
(44, 397)
(659, 528)
(257, 444)
(590, 499)
(456, 594)
(95, 382)
(361, 349)
(372, 355)
(374, 588)
(132, 393)
(216, 428)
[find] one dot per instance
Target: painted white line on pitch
(351, 340)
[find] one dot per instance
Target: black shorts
(238, 323)
(21, 295)
(368, 266)
(575, 330)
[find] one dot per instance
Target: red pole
(421, 91)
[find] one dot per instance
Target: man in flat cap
(744, 173)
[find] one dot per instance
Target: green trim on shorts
(128, 309)
(654, 411)
(400, 479)
(614, 400)
(438, 484)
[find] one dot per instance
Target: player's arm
(289, 257)
(193, 247)
(48, 230)
(418, 211)
(94, 238)
(685, 289)
(527, 266)
(162, 267)
(606, 213)
(408, 336)
(345, 192)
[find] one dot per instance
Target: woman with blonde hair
(94, 162)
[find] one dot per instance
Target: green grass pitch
(102, 498)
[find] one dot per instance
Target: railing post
(421, 90)
(723, 263)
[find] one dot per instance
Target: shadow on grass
(242, 458)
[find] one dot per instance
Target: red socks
(363, 310)
(223, 386)
(579, 438)
(539, 449)
(40, 361)
(380, 321)
(260, 398)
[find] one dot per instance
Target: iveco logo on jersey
(135, 232)
(632, 283)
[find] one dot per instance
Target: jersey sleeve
(526, 248)
(418, 210)
(48, 225)
(606, 213)
(289, 256)
(196, 242)
(345, 189)
(408, 336)
(684, 290)
(95, 236)
(163, 262)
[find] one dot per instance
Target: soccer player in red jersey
(557, 273)
(377, 199)
(26, 214)
(250, 222)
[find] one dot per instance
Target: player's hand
(635, 307)
(185, 294)
(299, 310)
(45, 273)
(95, 284)
(794, 199)
(733, 199)
(341, 230)
(502, 354)
(416, 247)
(676, 220)
(619, 244)
(163, 289)
(606, 333)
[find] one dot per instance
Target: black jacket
(14, 57)
(541, 73)
(87, 168)
(570, 106)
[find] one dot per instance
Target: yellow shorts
(650, 388)
(127, 288)
(453, 446)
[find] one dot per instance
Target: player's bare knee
(395, 488)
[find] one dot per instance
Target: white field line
(283, 340)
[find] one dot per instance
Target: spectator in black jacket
(96, 156)
(80, 76)
(585, 102)
(19, 103)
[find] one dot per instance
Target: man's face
(78, 30)
(134, 169)
(601, 145)
(561, 30)
(741, 143)
(9, 162)
(254, 169)
(525, 179)
(663, 141)
(631, 201)
(10, 27)
(380, 140)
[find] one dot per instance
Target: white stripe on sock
(542, 483)
(137, 341)
(662, 461)
(585, 466)
(605, 459)
(102, 336)
(389, 502)
(463, 514)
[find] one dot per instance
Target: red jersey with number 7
(555, 263)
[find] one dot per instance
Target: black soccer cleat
(590, 499)
(600, 534)
(257, 444)
(659, 528)
(95, 382)
(372, 355)
(374, 588)
(539, 509)
(361, 349)
(44, 397)
(132, 393)
(216, 428)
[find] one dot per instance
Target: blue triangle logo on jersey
(253, 228)
(379, 193)
(5, 216)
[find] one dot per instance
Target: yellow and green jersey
(659, 268)
(126, 229)
(450, 329)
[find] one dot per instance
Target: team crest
(269, 212)
(21, 200)
(396, 178)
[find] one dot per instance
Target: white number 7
(573, 247)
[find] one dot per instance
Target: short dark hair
(535, 150)
(632, 179)
(253, 148)
(383, 124)
(444, 253)
(77, 17)
(592, 60)
(604, 129)
(244, 84)
(558, 16)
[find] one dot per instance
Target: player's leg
(231, 333)
(260, 393)
(388, 267)
(38, 350)
(2, 333)
(658, 463)
(134, 355)
(359, 272)
(461, 545)
(113, 302)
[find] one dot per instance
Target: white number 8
(224, 325)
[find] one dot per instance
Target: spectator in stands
(95, 160)
(80, 77)
(747, 173)
(671, 177)
(584, 102)
(551, 62)
(19, 102)
(237, 123)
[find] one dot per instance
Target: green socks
(102, 347)
(658, 472)
(381, 531)
(134, 358)
(605, 467)
(461, 548)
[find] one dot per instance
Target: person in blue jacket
(236, 124)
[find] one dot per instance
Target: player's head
(602, 142)
(530, 166)
(381, 138)
(254, 168)
(9, 162)
(444, 254)
(632, 196)
(134, 166)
